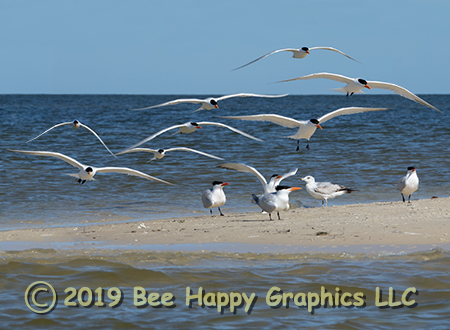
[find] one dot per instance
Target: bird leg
(210, 210)
(298, 145)
(351, 94)
(323, 201)
(307, 146)
(220, 211)
(82, 182)
(403, 197)
(278, 215)
(270, 216)
(79, 180)
(347, 94)
(409, 199)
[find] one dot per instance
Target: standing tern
(296, 53)
(355, 85)
(408, 184)
(88, 172)
(209, 103)
(190, 127)
(160, 153)
(268, 187)
(324, 190)
(214, 197)
(306, 128)
(276, 201)
(75, 125)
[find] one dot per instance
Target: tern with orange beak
(306, 128)
(209, 103)
(408, 184)
(297, 53)
(355, 85)
(87, 172)
(276, 201)
(214, 197)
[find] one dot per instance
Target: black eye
(362, 81)
(213, 102)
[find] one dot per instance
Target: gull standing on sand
(276, 201)
(88, 172)
(297, 53)
(209, 103)
(160, 153)
(306, 128)
(269, 187)
(355, 85)
(190, 127)
(214, 197)
(324, 190)
(408, 184)
(75, 125)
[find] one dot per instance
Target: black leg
(351, 94)
(82, 182)
(79, 180)
(220, 211)
(409, 199)
(210, 211)
(403, 197)
(347, 94)
(278, 215)
(270, 216)
(298, 145)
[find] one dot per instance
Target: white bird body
(214, 197)
(88, 172)
(408, 184)
(275, 201)
(306, 128)
(268, 187)
(210, 102)
(191, 127)
(160, 153)
(297, 53)
(355, 85)
(75, 125)
(324, 190)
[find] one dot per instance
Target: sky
(190, 47)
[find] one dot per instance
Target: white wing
(322, 75)
(138, 150)
(276, 119)
(334, 50)
(248, 95)
(245, 168)
(230, 128)
(260, 58)
(154, 135)
(98, 137)
(289, 174)
(401, 91)
(129, 171)
(65, 158)
(67, 123)
(327, 188)
(193, 150)
(346, 111)
(172, 103)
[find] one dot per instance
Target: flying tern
(276, 201)
(324, 190)
(268, 187)
(306, 128)
(210, 102)
(160, 153)
(355, 85)
(214, 197)
(408, 184)
(88, 172)
(190, 127)
(75, 125)
(297, 53)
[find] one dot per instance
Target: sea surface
(368, 152)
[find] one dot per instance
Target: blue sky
(190, 47)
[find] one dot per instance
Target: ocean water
(369, 152)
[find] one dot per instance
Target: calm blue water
(368, 151)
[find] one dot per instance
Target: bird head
(364, 83)
(411, 169)
(306, 50)
(89, 170)
(75, 124)
(194, 124)
(308, 179)
(214, 103)
(315, 122)
(161, 151)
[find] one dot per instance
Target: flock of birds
(275, 197)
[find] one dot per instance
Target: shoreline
(388, 225)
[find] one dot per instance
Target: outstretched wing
(401, 91)
(151, 137)
(289, 174)
(260, 58)
(334, 50)
(137, 150)
(322, 75)
(230, 128)
(346, 111)
(57, 125)
(65, 158)
(248, 95)
(129, 171)
(246, 169)
(178, 101)
(193, 150)
(276, 119)
(98, 137)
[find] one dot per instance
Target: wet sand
(421, 223)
